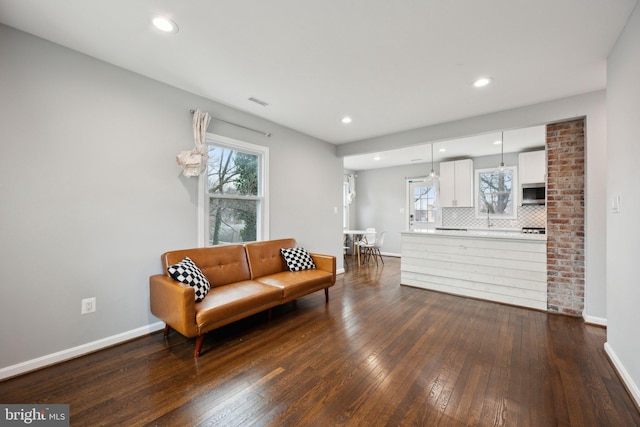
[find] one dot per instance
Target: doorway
(422, 203)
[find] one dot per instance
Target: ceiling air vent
(257, 101)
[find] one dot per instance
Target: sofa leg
(199, 341)
(326, 295)
(167, 328)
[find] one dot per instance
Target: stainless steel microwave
(533, 194)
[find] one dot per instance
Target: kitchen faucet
(488, 218)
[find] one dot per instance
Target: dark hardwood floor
(377, 354)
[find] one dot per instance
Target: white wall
(91, 196)
(623, 229)
(593, 107)
(381, 201)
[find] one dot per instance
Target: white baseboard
(593, 320)
(342, 270)
(391, 254)
(70, 353)
(626, 378)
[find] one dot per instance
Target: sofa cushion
(265, 257)
(299, 283)
(187, 272)
(221, 265)
(297, 259)
(234, 301)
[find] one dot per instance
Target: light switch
(615, 204)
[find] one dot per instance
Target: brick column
(565, 217)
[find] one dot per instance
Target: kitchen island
(496, 265)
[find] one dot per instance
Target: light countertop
(493, 233)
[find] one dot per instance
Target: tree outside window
(424, 199)
(496, 195)
(233, 190)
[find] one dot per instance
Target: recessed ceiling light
(377, 157)
(346, 119)
(165, 24)
(442, 150)
(482, 82)
(498, 142)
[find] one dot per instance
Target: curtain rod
(237, 125)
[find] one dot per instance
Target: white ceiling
(392, 66)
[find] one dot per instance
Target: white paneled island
(506, 267)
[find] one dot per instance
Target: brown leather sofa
(245, 279)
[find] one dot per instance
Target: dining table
(355, 235)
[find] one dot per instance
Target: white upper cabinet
(532, 167)
(456, 184)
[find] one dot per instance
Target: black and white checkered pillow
(297, 259)
(187, 272)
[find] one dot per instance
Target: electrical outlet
(88, 305)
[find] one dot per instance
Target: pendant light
(433, 172)
(501, 166)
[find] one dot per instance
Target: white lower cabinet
(510, 271)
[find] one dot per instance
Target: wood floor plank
(378, 354)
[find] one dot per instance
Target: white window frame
(436, 220)
(345, 205)
(262, 226)
(514, 194)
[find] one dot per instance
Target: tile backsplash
(528, 216)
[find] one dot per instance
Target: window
(423, 201)
(495, 193)
(233, 203)
(345, 205)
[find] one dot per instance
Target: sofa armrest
(325, 263)
(174, 303)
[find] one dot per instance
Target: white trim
(265, 195)
(237, 145)
(428, 181)
(342, 270)
(201, 211)
(81, 350)
(391, 254)
(345, 205)
(600, 321)
(624, 375)
(514, 193)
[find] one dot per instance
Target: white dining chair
(373, 249)
(368, 238)
(345, 249)
(370, 235)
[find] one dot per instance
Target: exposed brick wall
(565, 217)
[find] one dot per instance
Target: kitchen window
(496, 193)
(233, 206)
